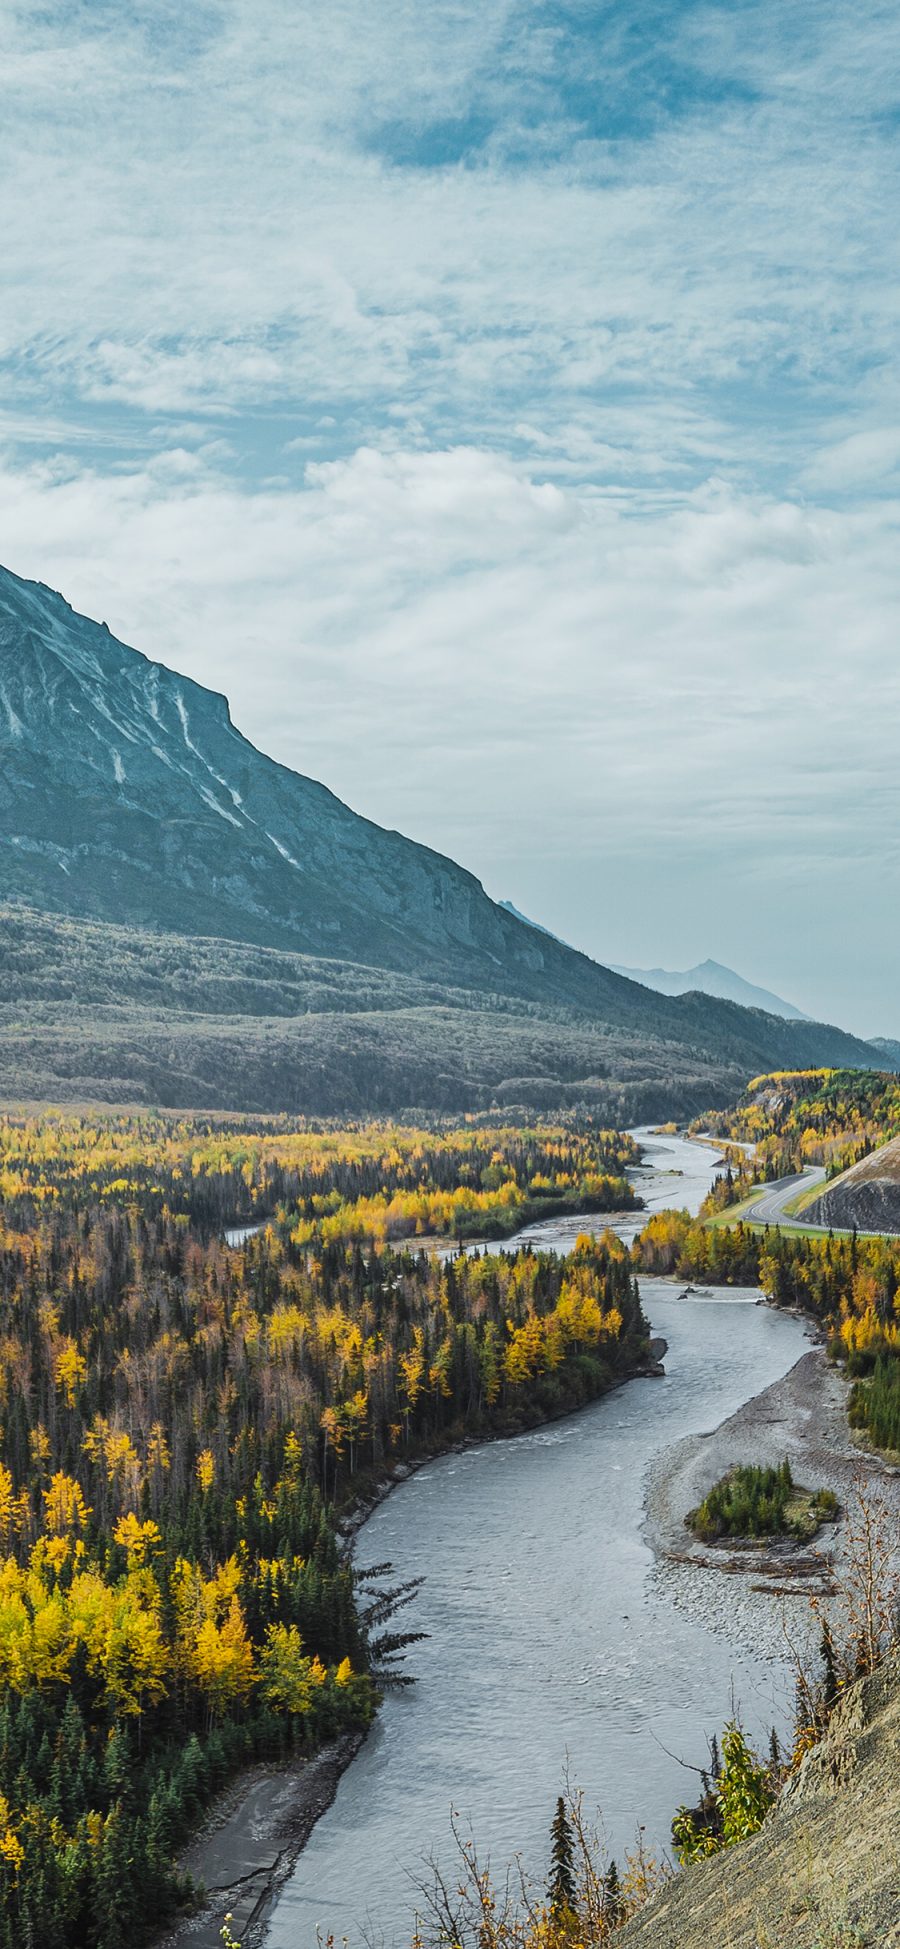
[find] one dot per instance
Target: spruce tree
(831, 1685)
(561, 1890)
(612, 1895)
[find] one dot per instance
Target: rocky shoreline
(802, 1417)
(250, 1841)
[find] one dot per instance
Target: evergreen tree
(612, 1896)
(561, 1890)
(831, 1682)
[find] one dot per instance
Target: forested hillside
(815, 1116)
(94, 1012)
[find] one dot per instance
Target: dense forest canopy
(811, 1116)
(475, 1177)
(181, 1420)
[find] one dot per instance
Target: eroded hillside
(824, 1870)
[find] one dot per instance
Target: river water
(552, 1643)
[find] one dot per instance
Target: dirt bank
(824, 1870)
(250, 1841)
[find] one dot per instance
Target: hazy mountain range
(710, 978)
(188, 921)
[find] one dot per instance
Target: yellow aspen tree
(10, 1509)
(70, 1370)
(64, 1506)
(286, 1680)
(138, 1539)
(222, 1662)
(135, 1656)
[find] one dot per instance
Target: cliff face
(824, 1870)
(867, 1196)
(126, 793)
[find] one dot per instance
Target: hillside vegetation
(823, 1872)
(832, 1117)
(92, 1012)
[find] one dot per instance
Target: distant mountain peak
(538, 926)
(712, 978)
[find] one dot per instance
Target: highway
(768, 1208)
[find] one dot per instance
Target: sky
(500, 403)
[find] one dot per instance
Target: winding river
(552, 1643)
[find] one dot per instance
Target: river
(552, 1642)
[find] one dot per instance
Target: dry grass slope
(824, 1870)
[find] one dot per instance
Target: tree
(561, 1889)
(222, 1660)
(612, 1896)
(288, 1679)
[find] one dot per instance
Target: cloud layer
(500, 403)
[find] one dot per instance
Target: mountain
(887, 1049)
(508, 908)
(186, 921)
(710, 978)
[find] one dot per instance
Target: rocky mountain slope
(128, 798)
(867, 1196)
(824, 1870)
(887, 1049)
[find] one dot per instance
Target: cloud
(859, 460)
(663, 710)
(683, 224)
(499, 402)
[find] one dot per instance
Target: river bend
(551, 1644)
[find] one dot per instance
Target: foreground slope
(128, 798)
(824, 1870)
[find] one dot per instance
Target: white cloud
(481, 484)
(685, 715)
(195, 220)
(859, 460)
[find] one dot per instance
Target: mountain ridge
(129, 800)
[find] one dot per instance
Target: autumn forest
(183, 1422)
(186, 1422)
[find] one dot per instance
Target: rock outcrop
(867, 1196)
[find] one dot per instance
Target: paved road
(769, 1207)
